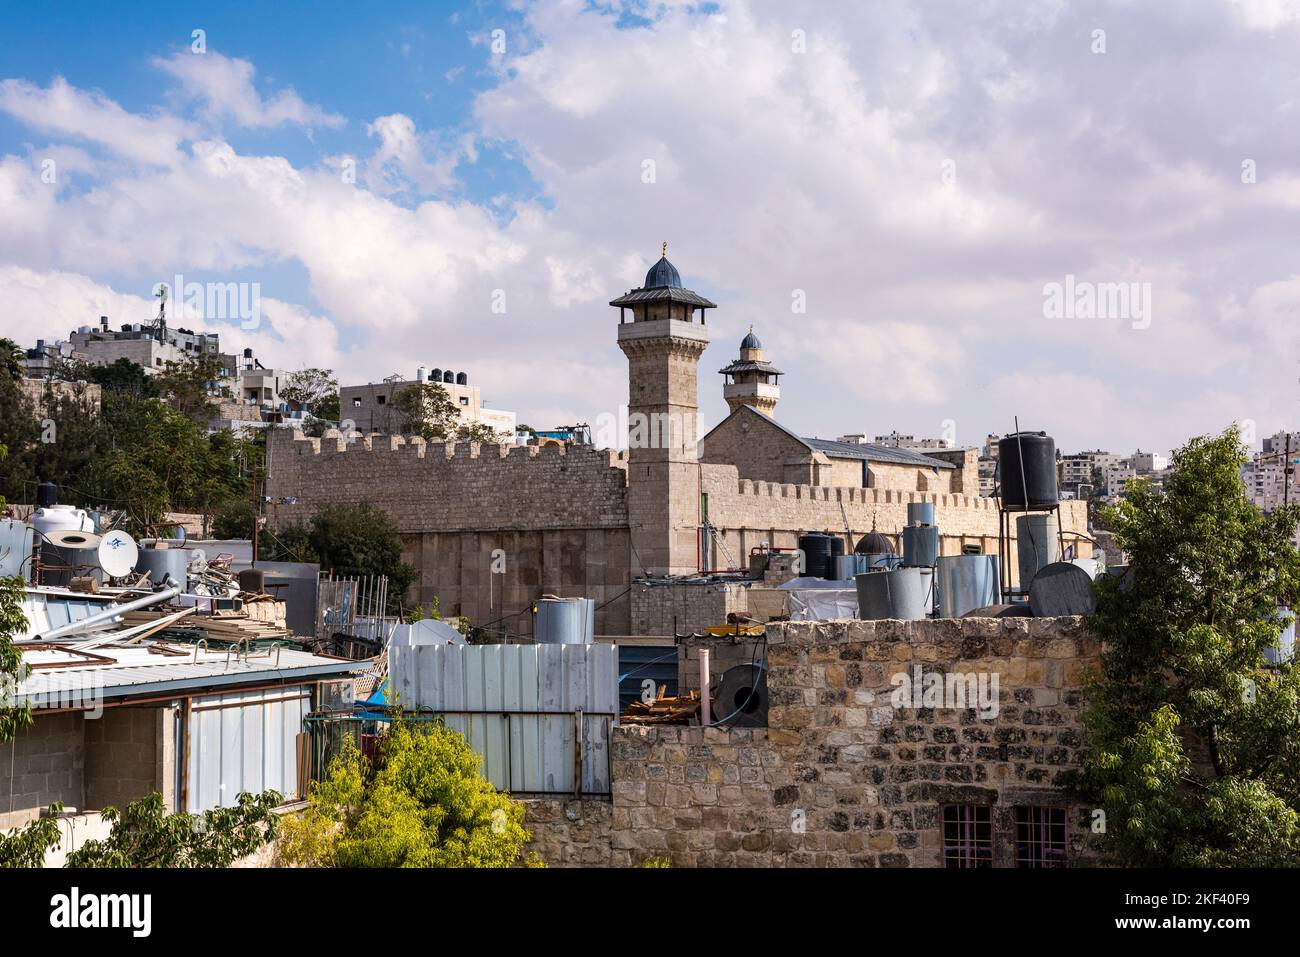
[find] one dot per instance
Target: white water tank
(61, 518)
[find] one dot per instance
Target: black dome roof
(750, 341)
(874, 543)
(661, 274)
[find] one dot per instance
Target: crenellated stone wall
(844, 776)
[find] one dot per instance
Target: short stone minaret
(663, 342)
(751, 380)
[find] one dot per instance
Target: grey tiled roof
(671, 293)
(876, 453)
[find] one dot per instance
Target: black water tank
(1033, 456)
(435, 375)
(818, 553)
(449, 376)
(462, 378)
(47, 495)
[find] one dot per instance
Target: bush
(424, 805)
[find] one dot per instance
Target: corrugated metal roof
(876, 453)
(136, 671)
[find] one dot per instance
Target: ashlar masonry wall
(842, 777)
(748, 513)
(490, 528)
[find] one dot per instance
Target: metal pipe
(107, 617)
(705, 717)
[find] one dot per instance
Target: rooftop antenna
(160, 321)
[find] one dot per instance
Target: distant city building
(1144, 463)
(370, 406)
(150, 346)
(894, 440)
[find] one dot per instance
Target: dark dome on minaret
(663, 274)
(750, 341)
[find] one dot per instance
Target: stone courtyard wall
(842, 777)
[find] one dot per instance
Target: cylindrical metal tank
(740, 698)
(47, 494)
(818, 555)
(1062, 588)
(1038, 544)
(920, 513)
(1027, 471)
(1286, 642)
(69, 554)
(901, 593)
(253, 581)
(565, 621)
(165, 563)
(966, 582)
(920, 545)
(837, 551)
(847, 566)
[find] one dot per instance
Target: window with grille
(1040, 837)
(968, 835)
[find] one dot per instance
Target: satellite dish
(118, 554)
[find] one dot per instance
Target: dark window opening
(968, 835)
(1040, 837)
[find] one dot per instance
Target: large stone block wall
(558, 515)
(440, 487)
(842, 777)
(748, 513)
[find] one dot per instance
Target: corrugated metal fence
(540, 715)
(244, 741)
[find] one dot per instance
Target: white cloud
(62, 109)
(225, 88)
(918, 174)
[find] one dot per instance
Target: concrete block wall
(42, 764)
(123, 758)
(842, 777)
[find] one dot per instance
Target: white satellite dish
(118, 554)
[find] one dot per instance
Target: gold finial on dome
(665, 250)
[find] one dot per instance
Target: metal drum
(902, 593)
(565, 621)
(920, 545)
(1037, 545)
(165, 563)
(967, 582)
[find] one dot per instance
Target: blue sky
(919, 174)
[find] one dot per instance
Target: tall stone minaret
(753, 380)
(663, 341)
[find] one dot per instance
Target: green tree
(1194, 745)
(477, 432)
(188, 387)
(348, 540)
(425, 805)
(13, 360)
(427, 411)
(315, 391)
(13, 718)
(145, 835)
